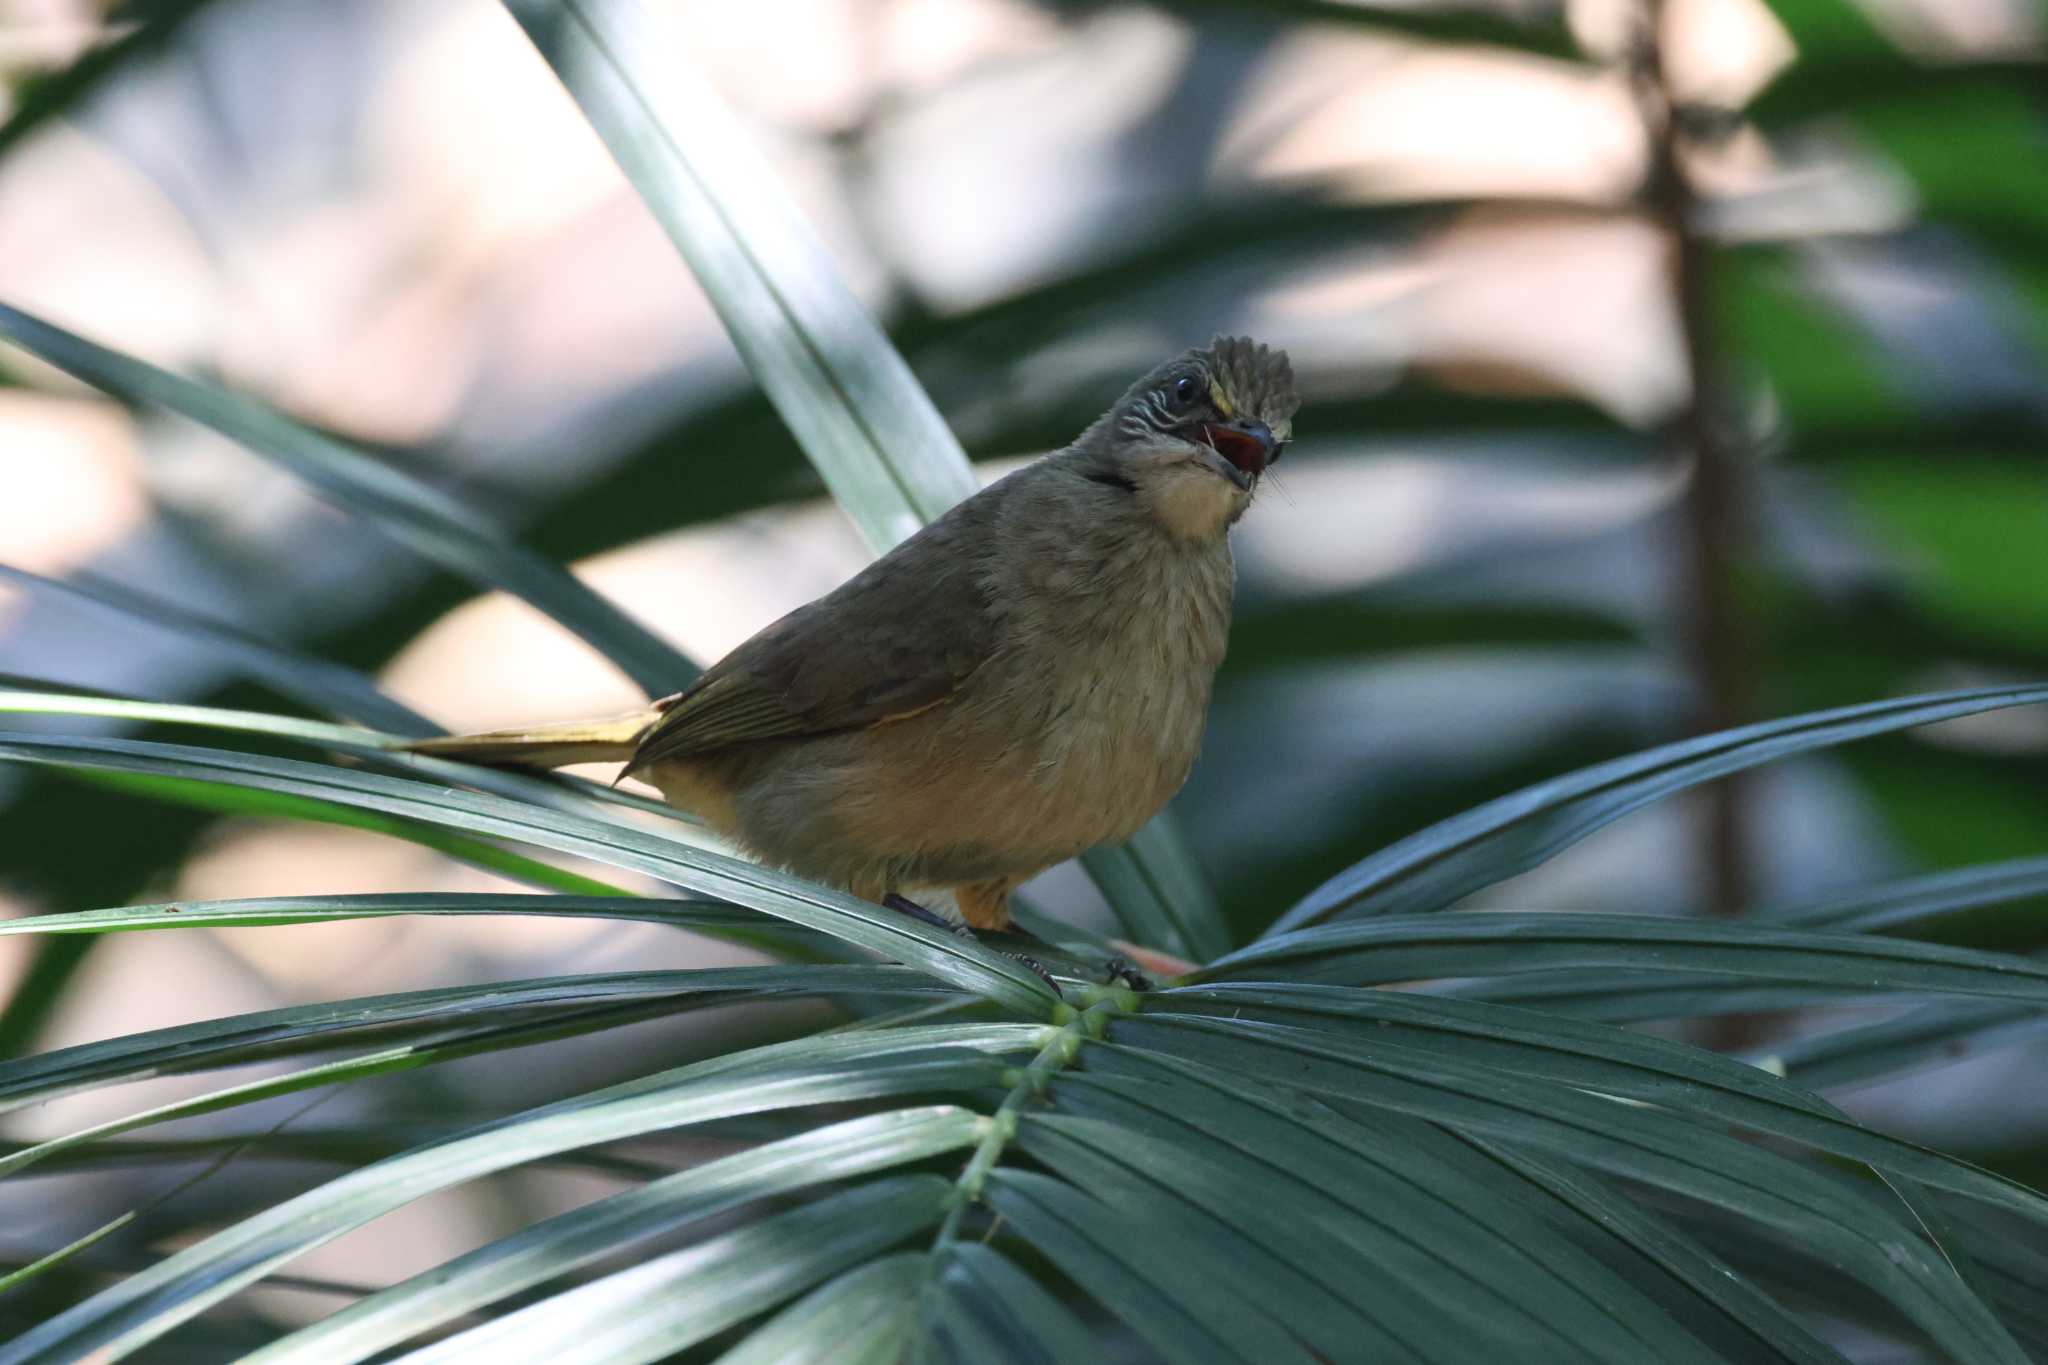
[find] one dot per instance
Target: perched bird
(1026, 677)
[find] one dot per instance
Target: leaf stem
(1027, 1084)
(1716, 636)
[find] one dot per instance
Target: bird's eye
(1185, 389)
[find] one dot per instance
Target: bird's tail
(547, 746)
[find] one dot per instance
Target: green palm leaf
(1435, 867)
(560, 1244)
(640, 850)
(808, 1071)
(429, 522)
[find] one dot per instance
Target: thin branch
(1717, 641)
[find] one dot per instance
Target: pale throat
(1193, 502)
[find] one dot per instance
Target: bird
(1024, 678)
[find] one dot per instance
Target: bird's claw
(907, 906)
(1038, 969)
(1121, 972)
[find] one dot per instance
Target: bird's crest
(1252, 380)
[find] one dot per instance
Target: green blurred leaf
(1823, 368)
(210, 796)
(1535, 29)
(58, 94)
(557, 791)
(1973, 540)
(2001, 184)
(1829, 31)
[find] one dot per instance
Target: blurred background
(1658, 376)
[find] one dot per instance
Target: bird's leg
(1117, 970)
(918, 912)
(931, 917)
(986, 906)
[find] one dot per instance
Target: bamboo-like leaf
(1331, 1213)
(648, 851)
(1167, 860)
(1481, 1273)
(452, 1045)
(1413, 1033)
(1079, 1234)
(250, 801)
(1418, 947)
(557, 1245)
(1487, 1291)
(318, 683)
(1913, 899)
(983, 1308)
(854, 406)
(432, 524)
(1917, 1038)
(865, 1317)
(268, 911)
(1611, 997)
(1691, 1265)
(661, 1306)
(1706, 1084)
(558, 791)
(1814, 1209)
(1435, 867)
(447, 1011)
(837, 1068)
(882, 447)
(1228, 1285)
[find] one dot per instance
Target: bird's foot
(932, 917)
(960, 928)
(1120, 972)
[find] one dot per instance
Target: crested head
(1255, 380)
(1193, 438)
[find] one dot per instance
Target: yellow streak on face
(1223, 404)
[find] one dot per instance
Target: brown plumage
(1024, 678)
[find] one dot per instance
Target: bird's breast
(1122, 685)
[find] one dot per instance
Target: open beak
(1246, 445)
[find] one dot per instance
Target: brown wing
(899, 638)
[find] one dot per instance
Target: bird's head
(1192, 439)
